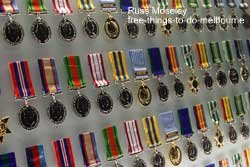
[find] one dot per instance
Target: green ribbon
(193, 3)
(163, 4)
(228, 51)
(215, 51)
(246, 101)
(213, 113)
(186, 51)
(239, 106)
(207, 4)
(36, 6)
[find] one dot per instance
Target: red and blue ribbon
(35, 156)
(8, 160)
(8, 6)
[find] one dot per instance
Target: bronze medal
(208, 80)
(163, 91)
(29, 117)
(219, 138)
(41, 30)
(179, 88)
(221, 78)
(67, 30)
(105, 102)
(81, 105)
(158, 160)
(233, 76)
(126, 98)
(150, 28)
(90, 26)
(13, 32)
(232, 134)
(139, 162)
(206, 145)
(3, 128)
(132, 30)
(244, 72)
(193, 84)
(244, 130)
(144, 95)
(211, 25)
(175, 155)
(57, 112)
(111, 27)
(197, 25)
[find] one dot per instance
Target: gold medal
(175, 155)
(3, 128)
(144, 94)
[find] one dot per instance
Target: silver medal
(132, 29)
(244, 130)
(244, 72)
(67, 30)
(192, 151)
(221, 78)
(41, 30)
(233, 76)
(13, 32)
(90, 26)
(139, 162)
(158, 160)
(206, 145)
(208, 80)
(232, 134)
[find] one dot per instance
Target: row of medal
(14, 33)
(23, 87)
(64, 155)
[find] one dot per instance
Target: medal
(89, 149)
(211, 25)
(228, 118)
(219, 4)
(151, 130)
(224, 163)
(35, 154)
(8, 159)
(182, 22)
(120, 74)
(174, 69)
(171, 136)
(139, 162)
(4, 130)
(23, 89)
(139, 68)
(197, 25)
(187, 54)
(100, 80)
(232, 5)
(247, 156)
(158, 72)
(244, 6)
(187, 132)
(166, 26)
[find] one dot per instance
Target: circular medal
(221, 78)
(105, 102)
(223, 25)
(244, 72)
(29, 117)
(193, 84)
(139, 162)
(206, 145)
(182, 24)
(13, 32)
(125, 97)
(41, 30)
(211, 25)
(232, 134)
(244, 130)
(246, 18)
(81, 105)
(235, 23)
(163, 91)
(111, 28)
(90, 26)
(150, 28)
(179, 88)
(219, 138)
(197, 25)
(175, 155)
(144, 95)
(158, 160)
(192, 151)
(132, 29)
(233, 76)
(208, 80)
(67, 30)
(57, 112)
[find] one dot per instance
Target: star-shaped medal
(3, 128)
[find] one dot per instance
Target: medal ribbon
(237, 161)
(125, 4)
(8, 160)
(247, 156)
(211, 165)
(213, 113)
(193, 3)
(184, 119)
(224, 163)
(163, 4)
(49, 76)
(168, 123)
(36, 6)
(62, 6)
(240, 52)
(97, 70)
(151, 130)
(118, 62)
(35, 156)
(228, 51)
(144, 4)
(133, 137)
(186, 51)
(207, 4)
(8, 6)
(246, 101)
(200, 118)
(85, 5)
(171, 54)
(238, 101)
(202, 55)
(63, 152)
(227, 110)
(219, 3)
(21, 79)
(113, 148)
(177, 4)
(74, 71)
(138, 61)
(89, 149)
(216, 54)
(108, 5)
(156, 62)
(231, 3)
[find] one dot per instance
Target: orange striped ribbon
(172, 59)
(202, 55)
(144, 4)
(247, 156)
(223, 163)
(227, 110)
(200, 117)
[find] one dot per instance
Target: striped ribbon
(97, 70)
(63, 152)
(62, 6)
(200, 118)
(36, 6)
(163, 4)
(118, 62)
(113, 148)
(8, 160)
(247, 156)
(156, 62)
(125, 4)
(213, 112)
(49, 76)
(238, 101)
(215, 51)
(202, 55)
(169, 125)
(151, 130)
(89, 149)
(246, 101)
(133, 137)
(224, 163)
(171, 54)
(227, 110)
(177, 4)
(108, 5)
(207, 4)
(187, 54)
(240, 51)
(138, 62)
(74, 71)
(144, 4)
(21, 79)
(237, 161)
(219, 3)
(8, 6)
(231, 3)
(211, 165)
(248, 45)
(35, 156)
(228, 51)
(184, 119)
(85, 5)
(193, 3)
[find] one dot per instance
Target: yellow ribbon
(202, 55)
(227, 110)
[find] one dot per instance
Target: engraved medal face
(244, 130)
(81, 105)
(182, 24)
(219, 139)
(197, 25)
(126, 98)
(163, 91)
(90, 26)
(246, 18)
(150, 28)
(223, 25)
(175, 155)
(233, 76)
(13, 32)
(221, 78)
(158, 160)
(179, 88)
(29, 117)
(112, 28)
(235, 23)
(193, 84)
(244, 72)
(67, 30)
(232, 134)
(192, 151)
(57, 112)
(144, 95)
(105, 102)
(211, 25)
(139, 163)
(132, 29)
(41, 30)
(206, 145)
(208, 80)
